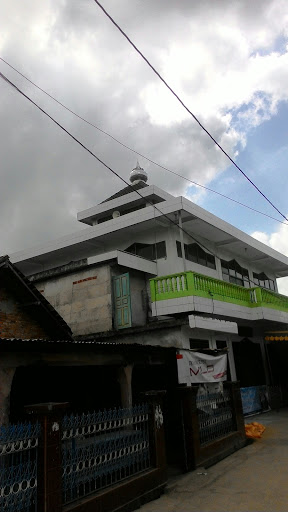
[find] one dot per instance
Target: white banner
(195, 368)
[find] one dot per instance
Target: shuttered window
(122, 301)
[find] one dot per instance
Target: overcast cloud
(227, 59)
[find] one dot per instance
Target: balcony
(190, 291)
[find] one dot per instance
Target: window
(221, 344)
(234, 273)
(193, 252)
(198, 344)
(148, 251)
(264, 281)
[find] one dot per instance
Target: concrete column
(6, 378)
(189, 427)
(182, 240)
(218, 268)
(265, 362)
(231, 359)
(125, 381)
(49, 467)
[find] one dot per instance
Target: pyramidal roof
(138, 179)
(126, 190)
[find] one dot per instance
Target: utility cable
(99, 159)
(186, 108)
(109, 168)
(137, 152)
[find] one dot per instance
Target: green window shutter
(122, 301)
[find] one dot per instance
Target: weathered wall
(15, 322)
(6, 377)
(82, 298)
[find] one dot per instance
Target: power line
(99, 159)
(137, 152)
(186, 108)
(111, 170)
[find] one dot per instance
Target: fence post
(157, 433)
(49, 470)
(190, 282)
(236, 405)
(189, 426)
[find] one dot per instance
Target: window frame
(195, 254)
(233, 273)
(265, 279)
(158, 250)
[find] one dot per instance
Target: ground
(253, 479)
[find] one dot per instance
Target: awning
(276, 338)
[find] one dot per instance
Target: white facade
(101, 250)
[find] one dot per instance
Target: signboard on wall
(197, 368)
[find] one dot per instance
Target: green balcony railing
(186, 284)
(269, 299)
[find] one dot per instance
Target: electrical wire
(111, 170)
(186, 108)
(137, 152)
(99, 159)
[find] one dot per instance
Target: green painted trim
(199, 285)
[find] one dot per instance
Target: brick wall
(15, 322)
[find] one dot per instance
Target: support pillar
(265, 362)
(125, 381)
(231, 359)
(157, 433)
(49, 467)
(237, 406)
(182, 240)
(190, 427)
(6, 378)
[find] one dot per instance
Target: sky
(227, 59)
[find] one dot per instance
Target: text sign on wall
(195, 368)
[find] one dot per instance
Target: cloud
(220, 57)
(279, 241)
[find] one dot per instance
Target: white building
(219, 286)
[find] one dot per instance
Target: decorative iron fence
(215, 415)
(103, 448)
(18, 467)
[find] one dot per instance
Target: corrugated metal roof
(20, 344)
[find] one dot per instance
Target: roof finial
(138, 174)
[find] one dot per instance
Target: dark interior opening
(86, 388)
(248, 363)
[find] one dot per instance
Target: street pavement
(254, 479)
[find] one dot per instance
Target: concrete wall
(16, 322)
(82, 298)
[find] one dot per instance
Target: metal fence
(103, 448)
(215, 414)
(18, 467)
(254, 399)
